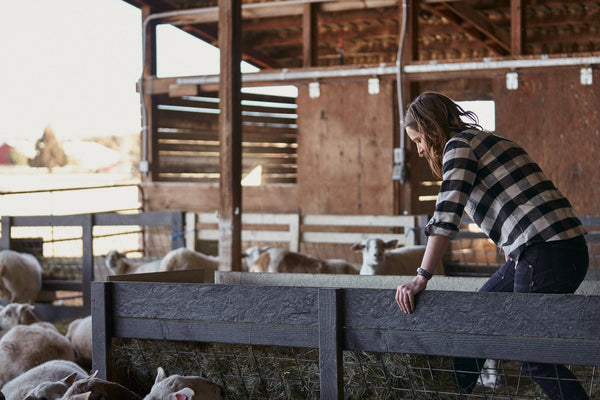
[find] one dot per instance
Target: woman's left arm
(405, 294)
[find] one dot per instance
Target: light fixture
(512, 81)
(314, 90)
(374, 85)
(586, 77)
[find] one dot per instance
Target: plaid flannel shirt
(503, 190)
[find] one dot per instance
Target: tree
(49, 152)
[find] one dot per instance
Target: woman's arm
(405, 294)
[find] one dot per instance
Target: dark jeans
(550, 267)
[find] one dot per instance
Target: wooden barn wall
(557, 120)
(203, 197)
(345, 142)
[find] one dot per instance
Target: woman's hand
(405, 294)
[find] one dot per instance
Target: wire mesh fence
(267, 372)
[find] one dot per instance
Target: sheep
(99, 388)
(383, 258)
(79, 333)
(26, 346)
(20, 277)
(14, 314)
(184, 258)
(118, 264)
(45, 381)
(281, 260)
(168, 387)
(251, 254)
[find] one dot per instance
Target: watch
(424, 273)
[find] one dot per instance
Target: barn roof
(359, 32)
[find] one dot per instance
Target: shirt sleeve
(459, 171)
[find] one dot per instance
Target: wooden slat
(334, 237)
(525, 326)
(362, 220)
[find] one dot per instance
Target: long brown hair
(438, 118)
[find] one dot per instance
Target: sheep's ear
(26, 315)
(184, 394)
(357, 246)
(391, 244)
(70, 379)
(160, 375)
(95, 374)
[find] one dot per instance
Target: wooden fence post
(101, 328)
(5, 240)
(330, 344)
(177, 230)
(87, 261)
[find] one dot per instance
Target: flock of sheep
(38, 362)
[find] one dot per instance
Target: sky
(74, 65)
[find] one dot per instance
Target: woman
(505, 192)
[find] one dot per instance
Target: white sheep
(20, 277)
(280, 260)
(184, 258)
(14, 314)
(26, 346)
(384, 258)
(118, 264)
(99, 388)
(166, 387)
(80, 335)
(49, 380)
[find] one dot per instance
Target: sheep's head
(373, 250)
(114, 262)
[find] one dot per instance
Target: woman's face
(418, 139)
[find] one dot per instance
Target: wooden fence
(526, 327)
(87, 222)
(298, 229)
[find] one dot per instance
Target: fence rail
(296, 229)
(524, 327)
(87, 222)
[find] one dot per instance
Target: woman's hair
(438, 118)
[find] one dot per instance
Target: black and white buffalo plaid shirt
(503, 190)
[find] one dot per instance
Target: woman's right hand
(405, 294)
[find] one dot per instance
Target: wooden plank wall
(557, 120)
(345, 149)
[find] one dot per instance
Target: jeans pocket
(523, 277)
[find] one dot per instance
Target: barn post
(230, 135)
(101, 328)
(409, 12)
(178, 230)
(330, 344)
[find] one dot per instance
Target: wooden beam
(149, 71)
(230, 134)
(517, 27)
(474, 24)
(310, 35)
